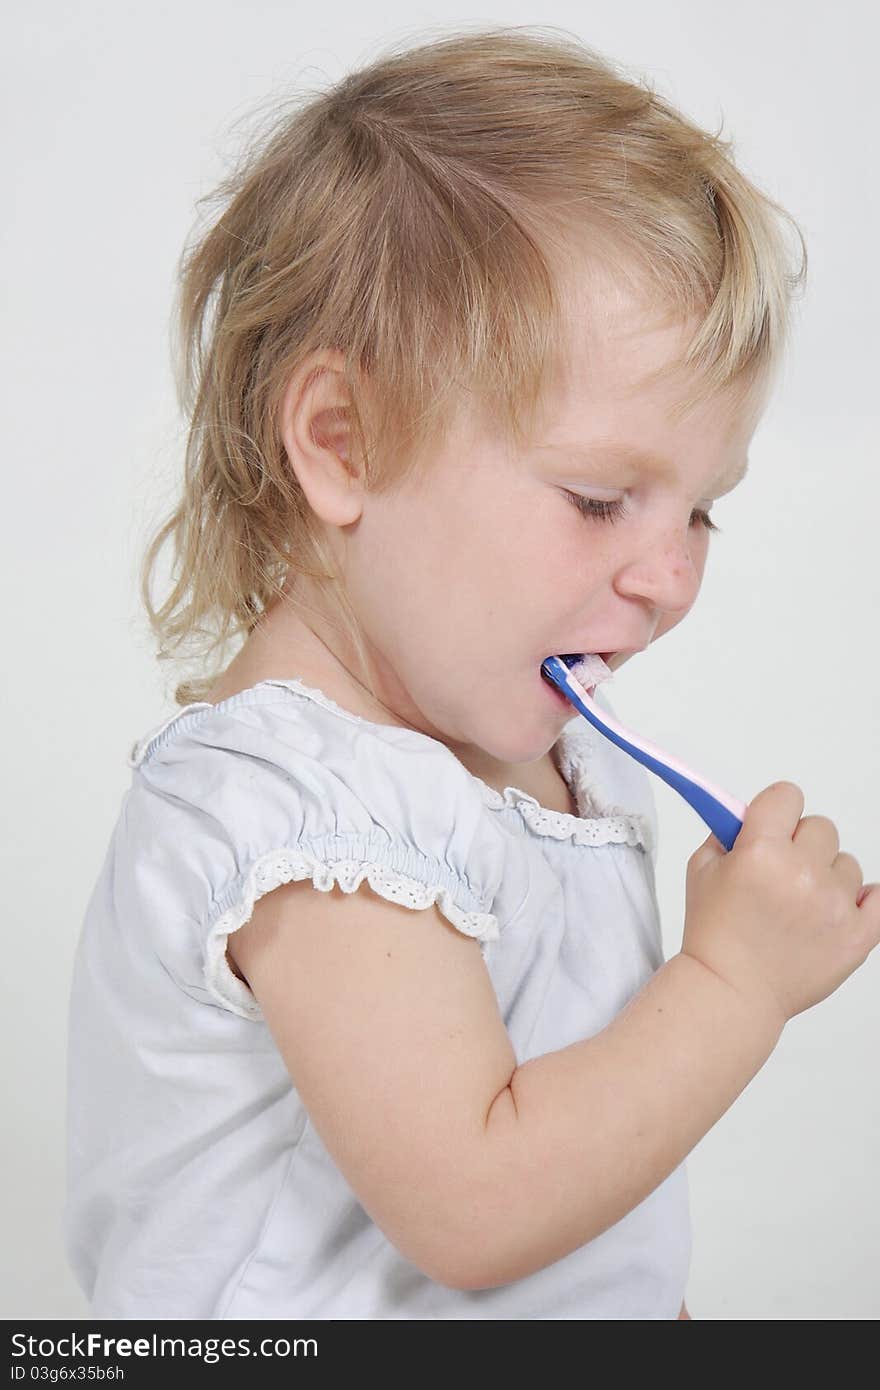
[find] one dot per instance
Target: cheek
(520, 547)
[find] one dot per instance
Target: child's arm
(478, 1170)
(592, 1129)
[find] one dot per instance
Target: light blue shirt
(197, 1186)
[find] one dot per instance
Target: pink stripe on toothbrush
(737, 807)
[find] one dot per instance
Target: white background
(118, 117)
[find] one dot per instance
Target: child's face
(467, 579)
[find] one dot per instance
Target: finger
(774, 812)
(850, 870)
(819, 834)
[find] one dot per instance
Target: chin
(523, 737)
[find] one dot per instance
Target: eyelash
(612, 511)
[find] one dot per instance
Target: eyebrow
(628, 453)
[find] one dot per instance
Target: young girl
(370, 1016)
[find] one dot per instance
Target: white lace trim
(290, 866)
(615, 827)
(576, 756)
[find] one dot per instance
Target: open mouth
(589, 669)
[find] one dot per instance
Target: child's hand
(782, 917)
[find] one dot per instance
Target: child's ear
(330, 429)
(315, 429)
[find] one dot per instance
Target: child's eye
(612, 511)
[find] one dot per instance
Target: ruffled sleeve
(229, 802)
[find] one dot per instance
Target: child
(370, 1016)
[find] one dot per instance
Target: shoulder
(273, 786)
(281, 744)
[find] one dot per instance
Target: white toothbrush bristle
(591, 670)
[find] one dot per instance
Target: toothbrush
(722, 813)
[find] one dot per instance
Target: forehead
(618, 344)
(619, 370)
(621, 332)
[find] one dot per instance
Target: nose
(669, 575)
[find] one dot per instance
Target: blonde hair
(417, 217)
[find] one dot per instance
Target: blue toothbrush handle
(721, 812)
(724, 825)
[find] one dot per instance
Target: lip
(611, 657)
(607, 657)
(612, 660)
